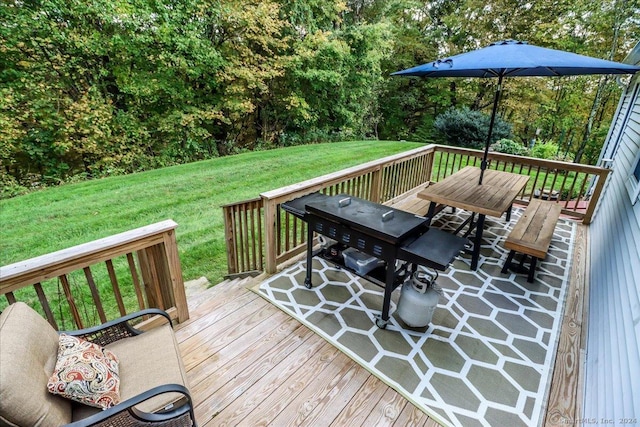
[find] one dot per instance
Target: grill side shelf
(435, 248)
(297, 207)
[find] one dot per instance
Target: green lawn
(191, 195)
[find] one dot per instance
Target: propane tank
(418, 299)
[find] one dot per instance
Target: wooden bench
(410, 202)
(532, 234)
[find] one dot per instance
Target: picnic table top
(461, 190)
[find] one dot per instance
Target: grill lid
(374, 219)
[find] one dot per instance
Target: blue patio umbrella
(512, 58)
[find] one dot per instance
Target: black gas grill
(380, 231)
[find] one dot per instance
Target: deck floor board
(250, 364)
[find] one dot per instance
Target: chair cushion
(85, 372)
(149, 360)
(27, 358)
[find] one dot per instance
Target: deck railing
(103, 279)
(574, 186)
(260, 235)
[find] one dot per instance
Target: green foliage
(509, 146)
(466, 128)
(91, 89)
(425, 131)
(547, 150)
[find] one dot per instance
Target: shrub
(509, 146)
(9, 187)
(466, 128)
(547, 150)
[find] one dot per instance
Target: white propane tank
(418, 299)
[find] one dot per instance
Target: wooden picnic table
(493, 197)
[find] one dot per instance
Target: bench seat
(532, 233)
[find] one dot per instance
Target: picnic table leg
(509, 212)
(431, 212)
(476, 244)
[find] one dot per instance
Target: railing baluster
(72, 304)
(448, 168)
(535, 179)
(397, 182)
(287, 232)
(136, 281)
(95, 294)
(294, 231)
(562, 189)
(116, 287)
(544, 184)
(245, 242)
(573, 186)
(260, 241)
(45, 305)
(553, 183)
(11, 299)
(581, 194)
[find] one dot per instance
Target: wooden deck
(251, 364)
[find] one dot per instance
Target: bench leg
(532, 269)
(521, 266)
(507, 263)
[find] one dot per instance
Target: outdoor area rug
(487, 357)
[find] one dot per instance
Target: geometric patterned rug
(486, 358)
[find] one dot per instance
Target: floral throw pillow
(85, 372)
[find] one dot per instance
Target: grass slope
(191, 195)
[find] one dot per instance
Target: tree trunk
(589, 126)
(596, 102)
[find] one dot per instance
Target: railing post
(429, 158)
(595, 196)
(376, 185)
(230, 239)
(270, 218)
(175, 275)
(149, 270)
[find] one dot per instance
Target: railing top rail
(255, 199)
(324, 180)
(41, 264)
(534, 161)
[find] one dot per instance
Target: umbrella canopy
(512, 58)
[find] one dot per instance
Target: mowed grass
(192, 195)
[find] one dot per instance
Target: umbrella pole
(496, 98)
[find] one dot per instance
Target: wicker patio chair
(153, 383)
